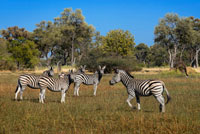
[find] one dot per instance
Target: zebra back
(55, 84)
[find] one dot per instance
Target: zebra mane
(129, 74)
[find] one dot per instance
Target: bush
(94, 60)
(7, 65)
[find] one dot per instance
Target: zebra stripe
(60, 84)
(139, 88)
(88, 79)
(31, 81)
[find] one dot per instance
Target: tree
(195, 41)
(6, 62)
(119, 42)
(157, 56)
(141, 52)
(76, 33)
(166, 35)
(23, 50)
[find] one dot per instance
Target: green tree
(6, 62)
(118, 42)
(22, 49)
(141, 52)
(76, 33)
(194, 40)
(24, 52)
(166, 36)
(157, 56)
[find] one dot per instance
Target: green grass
(108, 112)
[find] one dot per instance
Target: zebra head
(66, 76)
(51, 72)
(116, 78)
(82, 69)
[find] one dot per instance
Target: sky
(140, 17)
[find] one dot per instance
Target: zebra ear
(99, 67)
(104, 67)
(81, 66)
(84, 66)
(51, 68)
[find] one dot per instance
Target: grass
(106, 113)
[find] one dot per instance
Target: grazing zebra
(139, 88)
(60, 84)
(31, 81)
(88, 79)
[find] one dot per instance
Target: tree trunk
(65, 58)
(170, 59)
(197, 57)
(72, 60)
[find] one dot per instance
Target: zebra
(87, 79)
(49, 72)
(136, 87)
(79, 71)
(31, 81)
(60, 84)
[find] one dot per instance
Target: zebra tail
(168, 96)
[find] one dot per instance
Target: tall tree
(76, 33)
(195, 43)
(46, 36)
(119, 42)
(166, 35)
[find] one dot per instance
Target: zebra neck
(125, 81)
(99, 76)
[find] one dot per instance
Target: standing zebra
(139, 88)
(49, 72)
(88, 79)
(79, 71)
(31, 81)
(55, 85)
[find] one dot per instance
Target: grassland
(106, 113)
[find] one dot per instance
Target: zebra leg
(95, 89)
(76, 86)
(76, 89)
(63, 96)
(17, 91)
(130, 97)
(161, 100)
(41, 97)
(138, 101)
(21, 92)
(44, 94)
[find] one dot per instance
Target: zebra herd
(135, 87)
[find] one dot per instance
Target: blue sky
(138, 16)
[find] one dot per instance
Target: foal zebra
(139, 88)
(60, 84)
(31, 81)
(87, 79)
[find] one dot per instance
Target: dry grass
(106, 113)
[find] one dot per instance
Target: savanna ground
(107, 113)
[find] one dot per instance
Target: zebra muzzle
(111, 83)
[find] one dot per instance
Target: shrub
(94, 60)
